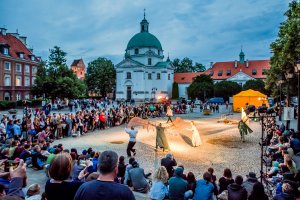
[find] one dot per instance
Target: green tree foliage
(101, 76)
(55, 79)
(257, 84)
(175, 91)
(186, 65)
(285, 49)
(226, 89)
(202, 87)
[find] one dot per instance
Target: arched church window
(149, 61)
(128, 75)
(136, 51)
(158, 76)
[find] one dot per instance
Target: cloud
(210, 30)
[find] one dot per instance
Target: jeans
(188, 195)
(130, 148)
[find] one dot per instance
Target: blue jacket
(17, 129)
(177, 187)
(204, 190)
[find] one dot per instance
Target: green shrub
(4, 105)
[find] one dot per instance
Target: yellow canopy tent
(250, 97)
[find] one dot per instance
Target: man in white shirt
(132, 140)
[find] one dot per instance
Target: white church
(143, 74)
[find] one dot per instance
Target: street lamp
(297, 71)
(288, 76)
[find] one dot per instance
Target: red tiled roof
(258, 65)
(15, 46)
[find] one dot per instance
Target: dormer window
(136, 51)
(228, 72)
(254, 72)
(220, 73)
(32, 58)
(211, 73)
(5, 51)
(21, 55)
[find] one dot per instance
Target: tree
(285, 49)
(55, 79)
(101, 76)
(198, 67)
(201, 87)
(186, 65)
(175, 91)
(226, 89)
(256, 84)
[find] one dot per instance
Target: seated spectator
(295, 143)
(169, 162)
(59, 186)
(225, 180)
(286, 194)
(33, 192)
(37, 159)
(26, 154)
(191, 186)
(78, 167)
(138, 178)
(213, 180)
(128, 168)
(121, 169)
(258, 192)
(236, 191)
(204, 188)
(159, 189)
(95, 161)
(274, 170)
(177, 185)
(251, 180)
(105, 187)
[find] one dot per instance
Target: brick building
(18, 67)
(78, 68)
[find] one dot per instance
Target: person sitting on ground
(138, 178)
(225, 180)
(295, 142)
(213, 180)
(251, 180)
(274, 170)
(60, 186)
(37, 159)
(169, 162)
(258, 192)
(191, 186)
(104, 187)
(177, 185)
(128, 168)
(286, 194)
(121, 169)
(236, 191)
(159, 189)
(204, 188)
(33, 192)
(26, 154)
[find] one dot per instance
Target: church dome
(143, 39)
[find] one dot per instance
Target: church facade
(143, 73)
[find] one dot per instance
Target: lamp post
(297, 71)
(288, 76)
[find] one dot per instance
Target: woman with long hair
(258, 192)
(225, 180)
(159, 189)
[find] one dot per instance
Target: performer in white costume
(196, 140)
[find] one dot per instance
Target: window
(18, 97)
(7, 80)
(21, 55)
(228, 73)
(34, 69)
(149, 76)
(27, 69)
(182, 78)
(128, 75)
(254, 72)
(33, 80)
(169, 76)
(158, 52)
(6, 96)
(18, 67)
(158, 76)
(220, 72)
(18, 81)
(211, 73)
(149, 61)
(7, 66)
(32, 57)
(5, 51)
(264, 72)
(136, 51)
(27, 81)
(27, 96)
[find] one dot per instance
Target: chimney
(247, 63)
(23, 39)
(3, 31)
(235, 64)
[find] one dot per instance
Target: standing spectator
(17, 129)
(59, 186)
(204, 188)
(225, 180)
(258, 192)
(177, 185)
(169, 162)
(248, 184)
(236, 191)
(159, 189)
(132, 140)
(105, 187)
